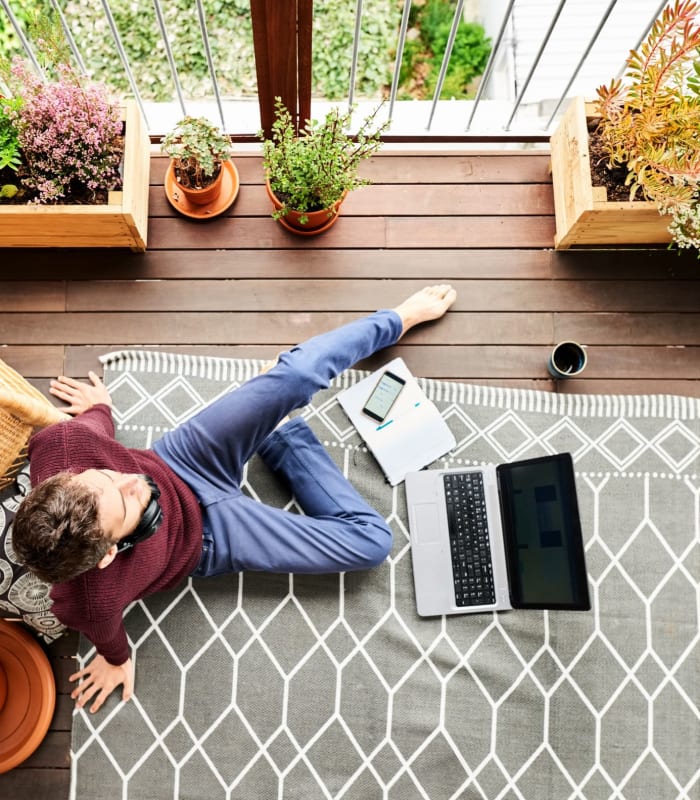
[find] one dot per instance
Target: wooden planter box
(583, 214)
(121, 222)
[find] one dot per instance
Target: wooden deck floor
(242, 286)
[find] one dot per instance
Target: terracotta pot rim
(31, 695)
(327, 217)
(181, 199)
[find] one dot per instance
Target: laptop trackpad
(426, 519)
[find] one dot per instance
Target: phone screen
(383, 395)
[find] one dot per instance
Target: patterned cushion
(22, 595)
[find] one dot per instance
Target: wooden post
(282, 41)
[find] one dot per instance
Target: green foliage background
(230, 37)
(431, 22)
(229, 31)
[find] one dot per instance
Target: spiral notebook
(411, 437)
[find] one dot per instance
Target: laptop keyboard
(469, 538)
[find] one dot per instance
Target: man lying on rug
(108, 525)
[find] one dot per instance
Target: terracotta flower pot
(206, 203)
(30, 698)
(318, 221)
(3, 687)
(207, 195)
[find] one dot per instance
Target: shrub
(313, 170)
(423, 55)
(70, 135)
(470, 51)
(651, 117)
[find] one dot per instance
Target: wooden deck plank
(364, 294)
(370, 233)
(480, 361)
(427, 263)
(35, 784)
(33, 360)
(449, 200)
(669, 329)
(253, 327)
(394, 167)
(447, 264)
(21, 296)
(535, 231)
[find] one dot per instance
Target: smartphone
(383, 396)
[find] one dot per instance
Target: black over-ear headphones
(150, 519)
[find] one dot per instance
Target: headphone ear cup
(150, 520)
(148, 524)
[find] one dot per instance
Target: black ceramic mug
(567, 359)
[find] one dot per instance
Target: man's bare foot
(429, 303)
(268, 365)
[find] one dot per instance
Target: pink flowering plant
(70, 136)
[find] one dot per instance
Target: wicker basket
(22, 409)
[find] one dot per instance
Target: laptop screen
(542, 529)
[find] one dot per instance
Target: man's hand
(80, 396)
(99, 679)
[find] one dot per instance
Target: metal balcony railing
(542, 53)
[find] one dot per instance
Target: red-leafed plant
(650, 119)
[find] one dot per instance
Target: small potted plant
(308, 175)
(201, 180)
(633, 154)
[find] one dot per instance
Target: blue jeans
(338, 530)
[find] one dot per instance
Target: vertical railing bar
(23, 39)
(582, 60)
(69, 37)
(169, 54)
(355, 52)
(545, 42)
(123, 57)
(399, 55)
(492, 60)
(210, 61)
(445, 60)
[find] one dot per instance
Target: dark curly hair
(56, 531)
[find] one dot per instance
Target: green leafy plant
(198, 148)
(423, 54)
(10, 155)
(649, 119)
(311, 171)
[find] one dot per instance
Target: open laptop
(521, 547)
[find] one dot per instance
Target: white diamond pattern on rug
(178, 401)
(621, 444)
(277, 686)
(509, 437)
(677, 445)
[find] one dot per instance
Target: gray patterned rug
(278, 686)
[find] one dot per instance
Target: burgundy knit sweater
(94, 602)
